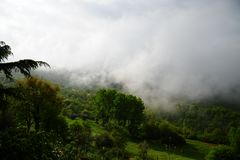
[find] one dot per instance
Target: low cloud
(158, 49)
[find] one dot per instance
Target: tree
(15, 144)
(104, 100)
(22, 66)
(41, 104)
(129, 111)
(126, 110)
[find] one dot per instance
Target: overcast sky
(156, 47)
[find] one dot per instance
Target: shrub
(80, 134)
(16, 144)
(58, 126)
(234, 138)
(151, 131)
(164, 132)
(104, 140)
(111, 146)
(143, 153)
(221, 153)
(216, 136)
(115, 153)
(169, 135)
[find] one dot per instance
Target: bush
(143, 150)
(104, 140)
(164, 132)
(216, 136)
(112, 145)
(151, 131)
(16, 144)
(120, 137)
(234, 138)
(81, 135)
(169, 135)
(115, 153)
(58, 125)
(221, 153)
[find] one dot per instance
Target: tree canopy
(125, 109)
(41, 103)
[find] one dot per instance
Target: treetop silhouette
(23, 66)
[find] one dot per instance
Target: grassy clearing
(193, 150)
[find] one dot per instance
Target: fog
(160, 50)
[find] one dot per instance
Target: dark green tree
(23, 66)
(104, 100)
(123, 109)
(129, 111)
(15, 143)
(41, 105)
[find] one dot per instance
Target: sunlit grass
(193, 150)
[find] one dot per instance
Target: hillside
(193, 150)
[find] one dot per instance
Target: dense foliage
(38, 120)
(40, 104)
(162, 131)
(123, 109)
(222, 153)
(205, 123)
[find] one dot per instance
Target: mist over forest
(153, 97)
(160, 50)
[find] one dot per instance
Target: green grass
(193, 150)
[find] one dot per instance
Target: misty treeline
(206, 123)
(41, 120)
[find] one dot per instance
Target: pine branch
(5, 51)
